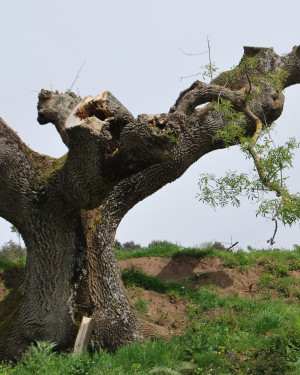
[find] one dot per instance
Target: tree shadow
(218, 278)
(179, 268)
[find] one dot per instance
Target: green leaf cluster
(273, 161)
(232, 132)
(208, 70)
(270, 160)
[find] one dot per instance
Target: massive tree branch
(271, 62)
(17, 175)
(55, 108)
(268, 62)
(107, 144)
(201, 93)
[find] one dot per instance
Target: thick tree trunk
(71, 271)
(116, 322)
(68, 209)
(56, 256)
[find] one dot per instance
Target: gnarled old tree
(68, 209)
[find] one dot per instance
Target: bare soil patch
(228, 281)
(161, 309)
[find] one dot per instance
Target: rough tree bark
(68, 209)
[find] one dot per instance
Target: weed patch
(141, 306)
(164, 249)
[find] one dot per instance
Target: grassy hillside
(223, 334)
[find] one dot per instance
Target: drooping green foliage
(270, 160)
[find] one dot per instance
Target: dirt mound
(229, 281)
(170, 313)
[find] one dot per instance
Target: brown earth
(170, 311)
(164, 310)
(229, 281)
(161, 309)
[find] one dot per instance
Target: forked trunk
(114, 160)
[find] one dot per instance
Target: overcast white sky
(131, 48)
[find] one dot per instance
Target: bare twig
(229, 248)
(190, 76)
(250, 289)
(77, 76)
(209, 56)
(198, 54)
(271, 240)
(192, 54)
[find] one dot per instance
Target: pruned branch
(105, 107)
(54, 107)
(271, 62)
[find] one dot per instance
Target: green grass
(234, 337)
(6, 264)
(165, 249)
(133, 359)
(287, 259)
(258, 336)
(10, 262)
(135, 277)
(141, 306)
